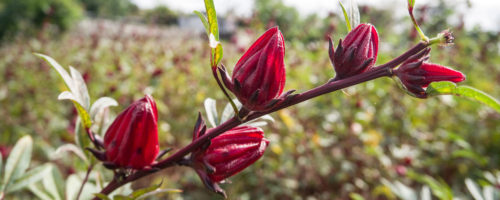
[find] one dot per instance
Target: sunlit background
(370, 141)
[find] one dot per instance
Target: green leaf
(447, 88)
(18, 161)
(354, 13)
(212, 18)
(62, 72)
(81, 138)
(40, 193)
(474, 189)
(158, 191)
(217, 55)
(101, 104)
(143, 191)
(73, 183)
(70, 148)
(32, 176)
(355, 196)
(82, 112)
(102, 196)
(411, 3)
(211, 110)
(53, 183)
(204, 21)
(346, 17)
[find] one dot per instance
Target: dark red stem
(377, 72)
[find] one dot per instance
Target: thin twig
(84, 181)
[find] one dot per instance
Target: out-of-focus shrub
(109, 8)
(29, 16)
(161, 15)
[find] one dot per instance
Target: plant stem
(235, 108)
(377, 72)
(84, 181)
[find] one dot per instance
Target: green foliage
(29, 16)
(161, 15)
(109, 8)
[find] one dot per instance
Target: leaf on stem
(32, 176)
(53, 182)
(473, 189)
(18, 161)
(354, 13)
(449, 88)
(211, 110)
(346, 17)
(101, 104)
(70, 148)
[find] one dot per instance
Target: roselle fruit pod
(228, 154)
(259, 76)
(416, 74)
(132, 139)
(356, 54)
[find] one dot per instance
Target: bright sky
(485, 13)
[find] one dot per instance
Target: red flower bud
(357, 53)
(132, 140)
(416, 74)
(259, 76)
(228, 154)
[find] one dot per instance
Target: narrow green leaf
(73, 183)
(354, 14)
(212, 18)
(411, 3)
(121, 197)
(18, 161)
(204, 21)
(80, 88)
(143, 191)
(101, 104)
(211, 110)
(474, 189)
(102, 196)
(81, 138)
(62, 72)
(217, 54)
(158, 191)
(40, 193)
(84, 115)
(70, 148)
(346, 17)
(446, 88)
(355, 196)
(32, 176)
(51, 184)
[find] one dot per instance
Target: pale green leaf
(228, 111)
(204, 21)
(425, 193)
(143, 191)
(354, 14)
(474, 189)
(73, 183)
(101, 104)
(80, 88)
(84, 116)
(32, 176)
(18, 161)
(39, 192)
(445, 87)
(346, 17)
(62, 72)
(211, 110)
(66, 148)
(355, 196)
(157, 192)
(52, 182)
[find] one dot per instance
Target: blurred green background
(344, 145)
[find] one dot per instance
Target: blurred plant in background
(337, 146)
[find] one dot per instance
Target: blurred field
(328, 148)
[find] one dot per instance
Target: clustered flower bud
(356, 54)
(227, 154)
(132, 139)
(416, 74)
(259, 76)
